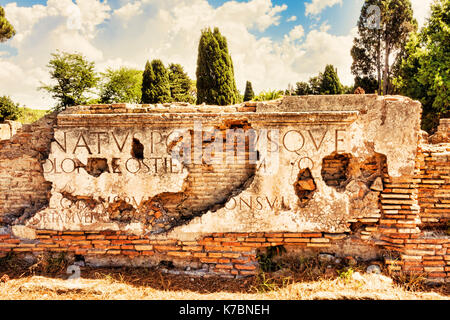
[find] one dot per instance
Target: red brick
(96, 237)
(166, 248)
(215, 254)
(113, 251)
(179, 253)
(199, 254)
(245, 267)
(224, 266)
(209, 260)
(192, 248)
(255, 239)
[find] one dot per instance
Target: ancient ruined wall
(23, 188)
(331, 174)
(9, 129)
(434, 184)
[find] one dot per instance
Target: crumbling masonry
(135, 184)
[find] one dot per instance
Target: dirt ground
(311, 280)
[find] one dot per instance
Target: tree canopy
(8, 109)
(6, 29)
(330, 83)
(425, 70)
(248, 94)
(121, 86)
(376, 44)
(74, 77)
(215, 71)
(180, 84)
(155, 84)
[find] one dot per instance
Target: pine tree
(215, 73)
(180, 84)
(375, 45)
(161, 84)
(147, 80)
(315, 84)
(248, 94)
(155, 83)
(302, 88)
(6, 29)
(330, 81)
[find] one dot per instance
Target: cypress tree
(249, 94)
(330, 81)
(147, 80)
(155, 83)
(215, 73)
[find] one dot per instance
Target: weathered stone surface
(9, 129)
(23, 232)
(311, 168)
(443, 133)
(377, 185)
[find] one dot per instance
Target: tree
(368, 83)
(424, 71)
(248, 94)
(376, 44)
(315, 83)
(330, 81)
(155, 84)
(215, 71)
(302, 88)
(74, 76)
(8, 109)
(180, 84)
(147, 80)
(121, 86)
(6, 29)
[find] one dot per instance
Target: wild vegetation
(292, 279)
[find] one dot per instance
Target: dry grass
(300, 279)
(151, 284)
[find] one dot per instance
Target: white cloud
(317, 6)
(291, 19)
(128, 11)
(296, 33)
(169, 30)
(325, 27)
(422, 10)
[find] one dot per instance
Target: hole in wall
(121, 211)
(137, 149)
(305, 186)
(335, 170)
(96, 166)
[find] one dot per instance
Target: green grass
(31, 115)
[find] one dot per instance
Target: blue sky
(273, 43)
(340, 17)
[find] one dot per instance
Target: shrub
(8, 109)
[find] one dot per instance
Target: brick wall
(415, 217)
(23, 189)
(409, 227)
(434, 184)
